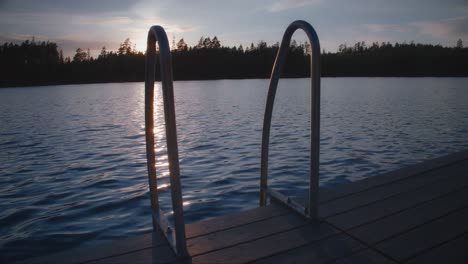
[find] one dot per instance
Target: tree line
(42, 63)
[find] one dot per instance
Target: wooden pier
(418, 214)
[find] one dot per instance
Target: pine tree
(103, 53)
(215, 44)
(125, 47)
(181, 46)
(80, 55)
(207, 43)
(61, 60)
(200, 43)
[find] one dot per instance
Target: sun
(140, 44)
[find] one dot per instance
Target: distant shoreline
(24, 85)
(39, 64)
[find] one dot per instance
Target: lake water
(73, 164)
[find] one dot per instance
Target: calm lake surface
(73, 164)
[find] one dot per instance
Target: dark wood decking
(415, 215)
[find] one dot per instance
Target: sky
(96, 23)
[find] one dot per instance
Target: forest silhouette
(42, 63)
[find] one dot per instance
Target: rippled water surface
(72, 158)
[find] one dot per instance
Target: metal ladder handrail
(311, 207)
(177, 240)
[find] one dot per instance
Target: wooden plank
(367, 256)
(385, 191)
(233, 220)
(244, 233)
(327, 250)
(453, 252)
(426, 236)
(157, 255)
(409, 213)
(104, 250)
(395, 224)
(396, 204)
(342, 190)
(268, 246)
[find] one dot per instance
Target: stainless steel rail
(176, 239)
(310, 210)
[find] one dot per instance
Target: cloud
(289, 4)
(18, 38)
(444, 29)
(385, 28)
(67, 6)
(113, 20)
(180, 29)
(71, 30)
(66, 43)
